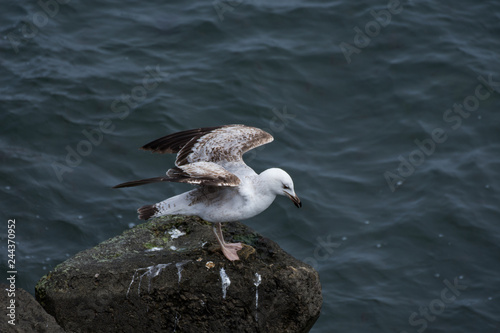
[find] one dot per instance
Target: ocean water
(385, 113)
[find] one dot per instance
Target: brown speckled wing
(203, 173)
(222, 144)
(203, 152)
(198, 173)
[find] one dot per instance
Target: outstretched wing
(198, 173)
(202, 153)
(210, 144)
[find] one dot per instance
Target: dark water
(404, 238)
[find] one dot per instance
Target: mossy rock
(149, 280)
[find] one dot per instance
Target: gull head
(280, 183)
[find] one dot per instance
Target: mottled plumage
(229, 190)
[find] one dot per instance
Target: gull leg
(228, 249)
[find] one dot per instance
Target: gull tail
(148, 211)
(178, 204)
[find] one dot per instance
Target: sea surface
(385, 113)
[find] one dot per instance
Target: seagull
(228, 189)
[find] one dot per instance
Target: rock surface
(168, 275)
(29, 315)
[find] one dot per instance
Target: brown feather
(142, 182)
(211, 147)
(173, 143)
(147, 211)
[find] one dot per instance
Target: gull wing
(198, 173)
(210, 144)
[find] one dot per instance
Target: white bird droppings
(225, 282)
(176, 233)
(150, 272)
(256, 282)
(154, 249)
(179, 269)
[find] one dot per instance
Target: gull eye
(286, 187)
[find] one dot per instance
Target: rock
(168, 275)
(29, 315)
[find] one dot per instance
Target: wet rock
(168, 275)
(29, 316)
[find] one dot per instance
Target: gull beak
(294, 198)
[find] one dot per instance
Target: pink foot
(236, 246)
(230, 250)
